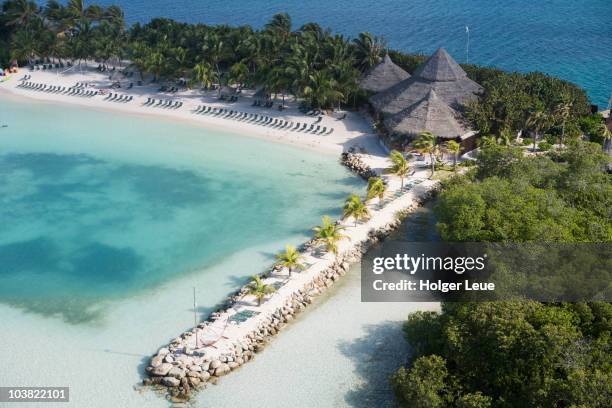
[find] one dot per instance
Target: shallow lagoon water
(109, 221)
(97, 206)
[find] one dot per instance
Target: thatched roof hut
(439, 73)
(383, 76)
(431, 114)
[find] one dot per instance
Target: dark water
(567, 38)
(420, 226)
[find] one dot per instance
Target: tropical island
(516, 157)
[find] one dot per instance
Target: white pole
(467, 45)
(195, 318)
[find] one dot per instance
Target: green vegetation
(400, 166)
(356, 208)
(376, 188)
(508, 354)
(329, 234)
(426, 144)
(291, 259)
(453, 148)
(259, 289)
(513, 198)
(517, 353)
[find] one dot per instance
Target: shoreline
(353, 131)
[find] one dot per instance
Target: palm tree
(156, 64)
(538, 121)
(376, 188)
(329, 234)
(280, 24)
(80, 12)
(607, 137)
(505, 137)
(562, 113)
(259, 289)
(322, 89)
(453, 148)
(426, 143)
(400, 165)
(487, 141)
(368, 50)
(239, 73)
(290, 259)
(204, 74)
(356, 208)
(21, 13)
(25, 46)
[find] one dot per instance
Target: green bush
(527, 141)
(552, 139)
(545, 146)
(467, 163)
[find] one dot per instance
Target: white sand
(352, 131)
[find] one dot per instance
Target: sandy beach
(350, 129)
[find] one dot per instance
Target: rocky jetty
(177, 370)
(354, 163)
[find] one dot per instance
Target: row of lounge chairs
(232, 98)
(43, 67)
(118, 98)
(162, 103)
(172, 89)
(263, 120)
(72, 91)
(267, 104)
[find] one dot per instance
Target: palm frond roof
(439, 73)
(383, 76)
(428, 114)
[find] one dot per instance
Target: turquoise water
(567, 38)
(97, 206)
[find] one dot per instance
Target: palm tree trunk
(563, 133)
(433, 164)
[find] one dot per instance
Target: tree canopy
(519, 353)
